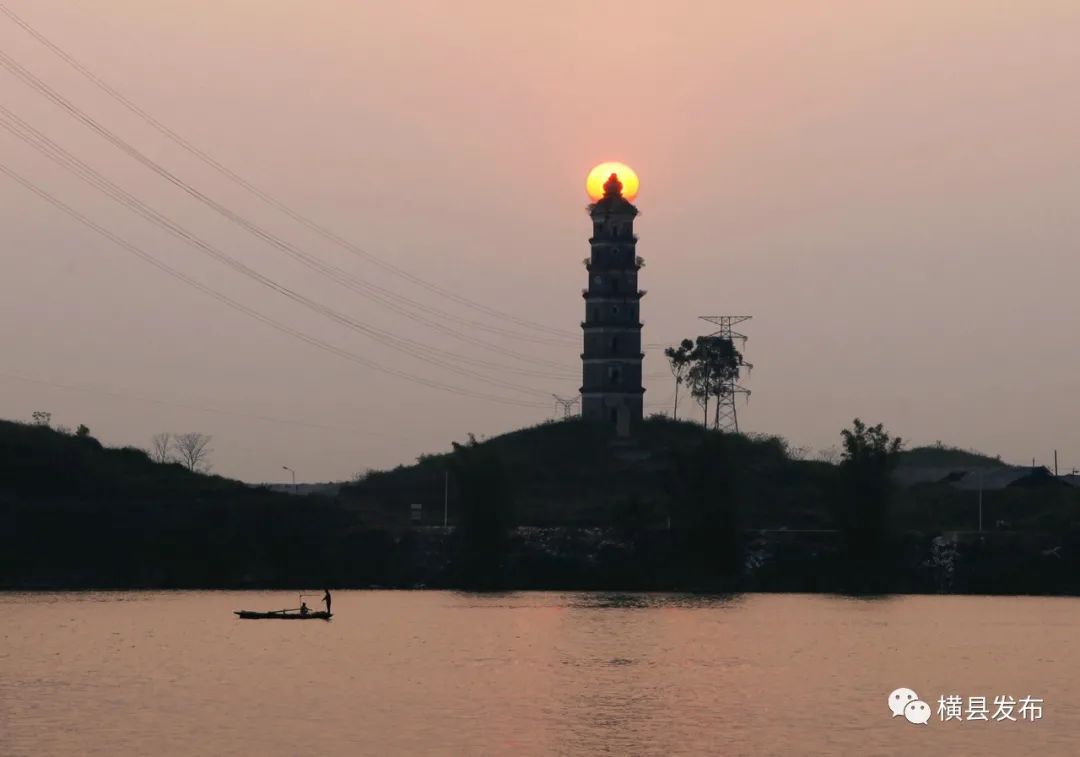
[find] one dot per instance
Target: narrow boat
(281, 615)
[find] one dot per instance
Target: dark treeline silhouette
(864, 516)
(482, 535)
(563, 505)
(704, 506)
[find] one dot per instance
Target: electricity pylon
(727, 417)
(567, 404)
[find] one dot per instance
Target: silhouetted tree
(41, 418)
(679, 360)
(161, 448)
(484, 518)
(869, 456)
(715, 363)
(705, 514)
(193, 450)
(82, 431)
(630, 516)
(828, 454)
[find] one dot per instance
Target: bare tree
(798, 453)
(42, 418)
(161, 446)
(193, 450)
(829, 455)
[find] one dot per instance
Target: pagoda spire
(613, 187)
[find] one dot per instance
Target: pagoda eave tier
(607, 391)
(590, 295)
(612, 326)
(612, 205)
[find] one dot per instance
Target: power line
(198, 408)
(236, 305)
(24, 131)
(340, 276)
(408, 346)
(279, 205)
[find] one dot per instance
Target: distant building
(913, 475)
(1004, 478)
(973, 479)
(611, 376)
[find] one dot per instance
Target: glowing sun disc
(594, 184)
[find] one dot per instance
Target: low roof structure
(913, 475)
(1009, 476)
(987, 479)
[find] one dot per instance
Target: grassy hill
(574, 472)
(39, 462)
(74, 513)
(943, 456)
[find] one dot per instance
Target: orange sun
(594, 184)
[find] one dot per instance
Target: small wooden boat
(282, 615)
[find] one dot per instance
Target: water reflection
(525, 673)
(602, 600)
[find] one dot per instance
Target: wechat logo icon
(906, 703)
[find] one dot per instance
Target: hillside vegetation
(943, 456)
(563, 504)
(75, 513)
(575, 472)
(39, 462)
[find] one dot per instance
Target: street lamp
(290, 470)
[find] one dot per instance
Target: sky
(889, 189)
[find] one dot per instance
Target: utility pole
(290, 470)
(705, 418)
(980, 500)
(1055, 464)
(727, 419)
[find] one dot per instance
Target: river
(175, 673)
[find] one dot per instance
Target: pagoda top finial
(613, 187)
(611, 181)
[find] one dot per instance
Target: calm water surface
(530, 673)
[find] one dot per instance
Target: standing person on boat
(303, 608)
(326, 600)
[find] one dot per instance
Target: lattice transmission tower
(567, 404)
(727, 417)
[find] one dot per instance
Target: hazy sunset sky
(890, 189)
